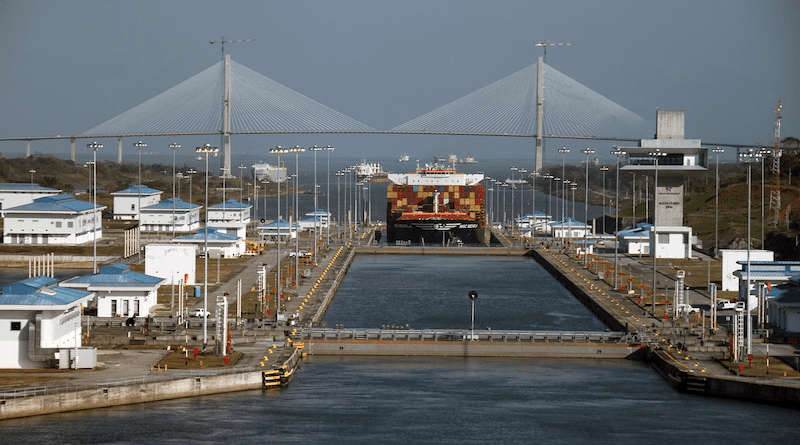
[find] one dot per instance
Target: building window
(16, 326)
(663, 238)
(113, 308)
(58, 224)
(69, 224)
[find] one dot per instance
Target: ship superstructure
(435, 204)
(272, 173)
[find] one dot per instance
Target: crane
(545, 44)
(775, 194)
(222, 41)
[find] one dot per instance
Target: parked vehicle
(725, 305)
(200, 312)
(687, 308)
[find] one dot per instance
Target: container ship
(435, 205)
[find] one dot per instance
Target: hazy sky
(68, 66)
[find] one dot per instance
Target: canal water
(402, 400)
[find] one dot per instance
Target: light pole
(338, 175)
(604, 169)
(505, 189)
(587, 151)
(297, 150)
(563, 151)
(278, 150)
(656, 154)
(31, 172)
(521, 172)
(533, 206)
(329, 149)
(241, 189)
(139, 146)
(763, 152)
(748, 158)
(716, 151)
(173, 146)
(513, 186)
(315, 149)
(473, 296)
(617, 152)
(94, 146)
(206, 149)
(549, 177)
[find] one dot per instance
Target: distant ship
(369, 172)
(269, 172)
(468, 160)
(403, 158)
(435, 205)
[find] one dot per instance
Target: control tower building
(668, 158)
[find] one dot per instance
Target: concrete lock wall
(102, 397)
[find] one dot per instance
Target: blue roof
(279, 222)
(137, 190)
(213, 235)
(568, 222)
(166, 204)
(39, 291)
(230, 204)
(641, 229)
(25, 187)
(117, 274)
(57, 203)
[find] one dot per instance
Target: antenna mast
(225, 132)
(775, 195)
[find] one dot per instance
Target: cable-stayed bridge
(229, 99)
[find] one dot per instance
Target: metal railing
(462, 335)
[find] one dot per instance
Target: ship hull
(434, 232)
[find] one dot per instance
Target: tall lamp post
(656, 154)
(31, 171)
(604, 169)
(763, 152)
(206, 149)
(587, 151)
(278, 150)
(748, 158)
(473, 296)
(513, 186)
(173, 146)
(297, 150)
(616, 152)
(329, 149)
(563, 151)
(94, 146)
(521, 172)
(241, 189)
(549, 177)
(716, 151)
(139, 146)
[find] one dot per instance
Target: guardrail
(326, 301)
(462, 335)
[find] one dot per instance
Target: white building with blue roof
(319, 216)
(220, 244)
(58, 219)
(570, 228)
(13, 194)
(161, 217)
(230, 216)
(40, 325)
(119, 291)
(784, 306)
(635, 241)
(276, 230)
(127, 201)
